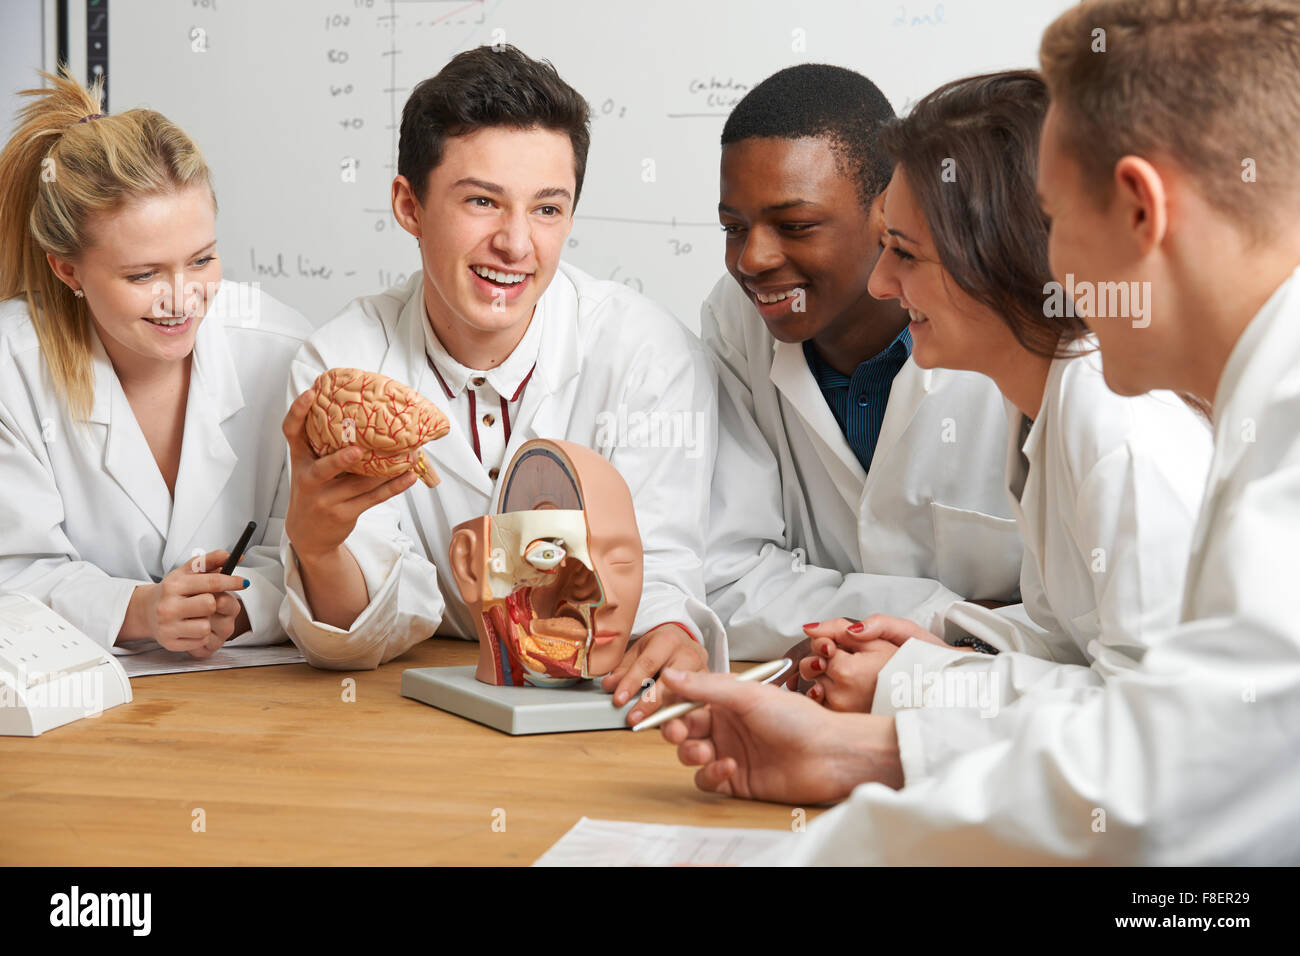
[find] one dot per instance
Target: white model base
(516, 710)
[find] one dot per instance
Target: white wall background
(22, 53)
(279, 93)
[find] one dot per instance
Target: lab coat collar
(794, 379)
(214, 362)
(1083, 349)
(1025, 495)
(560, 350)
(207, 459)
(910, 386)
(1016, 417)
(105, 381)
(127, 457)
(1265, 352)
(1016, 471)
(791, 375)
(1264, 355)
(506, 379)
(1027, 499)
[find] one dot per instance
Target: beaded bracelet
(975, 644)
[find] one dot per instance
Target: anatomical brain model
(553, 579)
(389, 421)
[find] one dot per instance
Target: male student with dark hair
(512, 344)
(849, 481)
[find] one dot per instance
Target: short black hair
(489, 86)
(830, 102)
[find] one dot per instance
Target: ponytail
(64, 165)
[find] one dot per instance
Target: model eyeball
(545, 555)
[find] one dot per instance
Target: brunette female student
(1105, 489)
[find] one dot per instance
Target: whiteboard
(279, 94)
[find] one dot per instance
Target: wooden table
(288, 772)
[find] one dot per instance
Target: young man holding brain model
(510, 344)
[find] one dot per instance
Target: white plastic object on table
(50, 673)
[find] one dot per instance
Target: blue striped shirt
(858, 403)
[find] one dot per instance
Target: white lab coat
(1105, 491)
(85, 511)
(1190, 758)
(800, 533)
(607, 356)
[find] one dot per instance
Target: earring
(78, 293)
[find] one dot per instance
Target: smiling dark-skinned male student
(848, 481)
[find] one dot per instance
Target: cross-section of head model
(553, 579)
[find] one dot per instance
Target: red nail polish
(813, 624)
(856, 627)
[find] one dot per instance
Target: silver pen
(761, 673)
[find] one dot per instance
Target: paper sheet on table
(619, 843)
(159, 660)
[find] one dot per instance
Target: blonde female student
(1105, 489)
(140, 394)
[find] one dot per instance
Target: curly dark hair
(820, 100)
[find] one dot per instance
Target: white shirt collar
(506, 379)
(1248, 351)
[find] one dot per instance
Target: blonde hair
(1208, 83)
(65, 165)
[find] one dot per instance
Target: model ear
(466, 557)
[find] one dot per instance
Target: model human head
(801, 176)
(1167, 158)
(106, 223)
(553, 579)
(490, 163)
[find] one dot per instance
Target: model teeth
(508, 278)
(917, 316)
(770, 298)
(171, 322)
